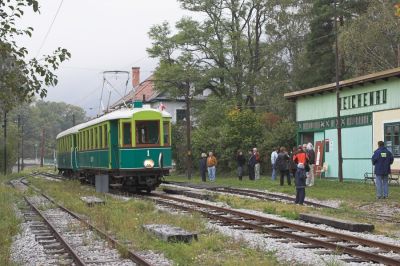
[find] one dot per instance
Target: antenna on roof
(106, 81)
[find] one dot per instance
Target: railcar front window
(147, 132)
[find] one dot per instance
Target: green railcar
(131, 146)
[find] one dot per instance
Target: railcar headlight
(149, 163)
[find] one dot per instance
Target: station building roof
(349, 83)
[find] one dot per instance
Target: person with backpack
(282, 164)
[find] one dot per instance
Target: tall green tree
(371, 42)
(176, 74)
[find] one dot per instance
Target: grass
(124, 219)
(8, 221)
(352, 194)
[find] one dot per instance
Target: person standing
(251, 163)
(274, 156)
(292, 164)
(240, 163)
(203, 166)
(311, 163)
(257, 164)
(211, 166)
(382, 159)
(282, 164)
(300, 180)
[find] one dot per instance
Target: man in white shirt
(274, 156)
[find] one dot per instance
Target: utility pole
(338, 118)
(188, 134)
(18, 146)
(42, 151)
(5, 142)
(22, 147)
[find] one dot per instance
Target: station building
(370, 112)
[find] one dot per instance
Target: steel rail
(348, 250)
(75, 256)
(251, 193)
(266, 195)
(132, 255)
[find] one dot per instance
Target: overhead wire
(48, 31)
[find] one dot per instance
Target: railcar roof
(118, 114)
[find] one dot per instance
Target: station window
(392, 138)
(384, 96)
(105, 136)
(378, 97)
(359, 100)
(371, 98)
(180, 114)
(147, 132)
(126, 134)
(166, 133)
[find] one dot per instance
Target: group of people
(208, 164)
(297, 164)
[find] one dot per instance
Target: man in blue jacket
(382, 159)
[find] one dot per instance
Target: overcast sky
(101, 35)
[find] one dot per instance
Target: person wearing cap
(203, 166)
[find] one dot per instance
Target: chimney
(135, 76)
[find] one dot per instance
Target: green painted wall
(316, 107)
(393, 96)
(64, 160)
(93, 159)
(318, 136)
(134, 158)
(332, 155)
(357, 151)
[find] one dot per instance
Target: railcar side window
(147, 132)
(105, 136)
(166, 133)
(126, 134)
(100, 130)
(95, 138)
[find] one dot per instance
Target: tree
(20, 78)
(371, 42)
(177, 74)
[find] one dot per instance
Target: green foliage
(371, 42)
(8, 221)
(52, 117)
(223, 129)
(20, 78)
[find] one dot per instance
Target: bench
(393, 177)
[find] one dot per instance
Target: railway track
(359, 249)
(75, 236)
(250, 193)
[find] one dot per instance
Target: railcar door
(114, 158)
